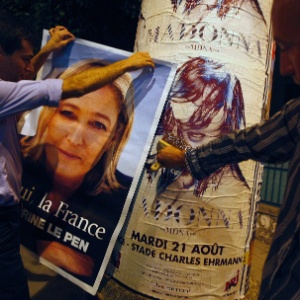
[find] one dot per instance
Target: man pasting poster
(82, 161)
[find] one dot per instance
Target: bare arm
(93, 79)
(59, 38)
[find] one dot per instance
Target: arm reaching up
(94, 78)
(59, 38)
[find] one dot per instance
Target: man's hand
(60, 36)
(94, 78)
(171, 157)
(139, 60)
(66, 258)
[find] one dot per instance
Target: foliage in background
(109, 22)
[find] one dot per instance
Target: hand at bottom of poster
(66, 258)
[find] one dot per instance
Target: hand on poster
(171, 157)
(89, 79)
(66, 258)
(139, 60)
(60, 36)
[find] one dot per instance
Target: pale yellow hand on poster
(66, 258)
(171, 157)
(139, 60)
(60, 36)
(94, 78)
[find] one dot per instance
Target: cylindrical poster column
(189, 239)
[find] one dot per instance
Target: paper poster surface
(82, 161)
(190, 239)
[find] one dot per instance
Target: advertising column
(189, 239)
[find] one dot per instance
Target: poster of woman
(82, 161)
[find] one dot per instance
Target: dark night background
(109, 22)
(112, 23)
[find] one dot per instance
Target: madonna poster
(187, 238)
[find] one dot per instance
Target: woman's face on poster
(185, 112)
(79, 132)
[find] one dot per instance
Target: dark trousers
(13, 280)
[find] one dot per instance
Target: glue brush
(169, 139)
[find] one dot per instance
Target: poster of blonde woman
(82, 161)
